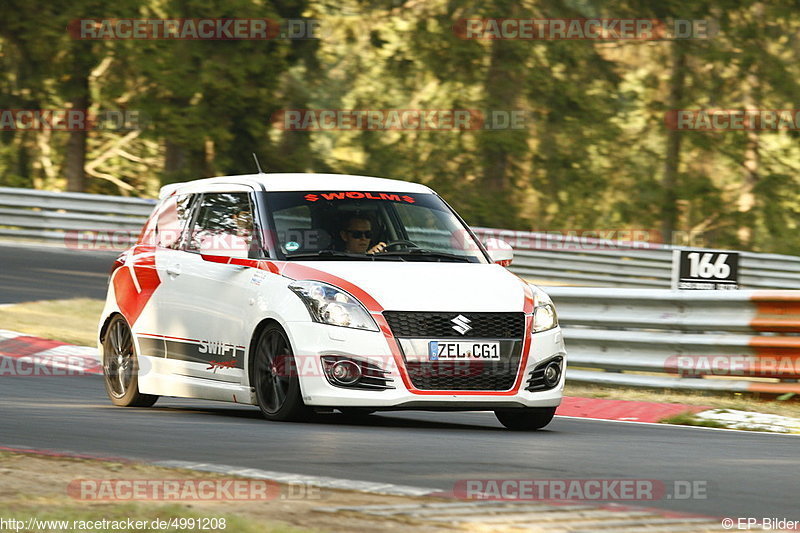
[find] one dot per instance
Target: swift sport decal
(135, 282)
(214, 365)
(216, 354)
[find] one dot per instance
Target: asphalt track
(29, 272)
(746, 474)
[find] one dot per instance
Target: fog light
(345, 372)
(552, 374)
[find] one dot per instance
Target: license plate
(463, 350)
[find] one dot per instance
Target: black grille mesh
(438, 325)
(466, 375)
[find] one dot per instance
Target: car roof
(297, 182)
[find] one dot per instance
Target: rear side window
(168, 224)
(223, 225)
(172, 221)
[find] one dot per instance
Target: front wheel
(275, 377)
(121, 367)
(525, 419)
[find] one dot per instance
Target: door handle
(174, 269)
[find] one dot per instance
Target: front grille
(438, 325)
(466, 375)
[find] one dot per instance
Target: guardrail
(740, 341)
(55, 216)
(621, 336)
(538, 256)
(603, 263)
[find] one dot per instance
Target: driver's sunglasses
(358, 234)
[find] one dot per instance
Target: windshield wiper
(430, 253)
(325, 254)
(335, 254)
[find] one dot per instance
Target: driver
(357, 234)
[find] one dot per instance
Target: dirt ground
(33, 485)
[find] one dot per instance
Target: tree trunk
(751, 98)
(503, 86)
(75, 160)
(184, 163)
(747, 200)
(502, 148)
(669, 210)
(80, 98)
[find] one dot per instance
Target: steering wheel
(408, 244)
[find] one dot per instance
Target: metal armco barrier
(605, 263)
(537, 256)
(744, 341)
(56, 216)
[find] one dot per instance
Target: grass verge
(73, 321)
(688, 419)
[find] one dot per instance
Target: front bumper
(312, 340)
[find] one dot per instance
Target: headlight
(330, 305)
(544, 318)
(544, 312)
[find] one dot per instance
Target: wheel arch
(252, 349)
(107, 322)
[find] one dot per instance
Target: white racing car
(303, 292)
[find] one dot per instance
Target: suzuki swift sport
(312, 292)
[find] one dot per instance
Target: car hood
(429, 286)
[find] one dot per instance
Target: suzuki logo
(461, 324)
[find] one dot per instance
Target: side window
(223, 225)
(172, 220)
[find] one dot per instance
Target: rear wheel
(121, 367)
(525, 419)
(275, 380)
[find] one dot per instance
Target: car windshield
(341, 225)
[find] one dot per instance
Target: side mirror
(500, 251)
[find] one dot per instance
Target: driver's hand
(378, 248)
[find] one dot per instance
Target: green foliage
(591, 153)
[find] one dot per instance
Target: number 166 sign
(705, 269)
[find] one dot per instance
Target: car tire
(275, 379)
(525, 419)
(121, 367)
